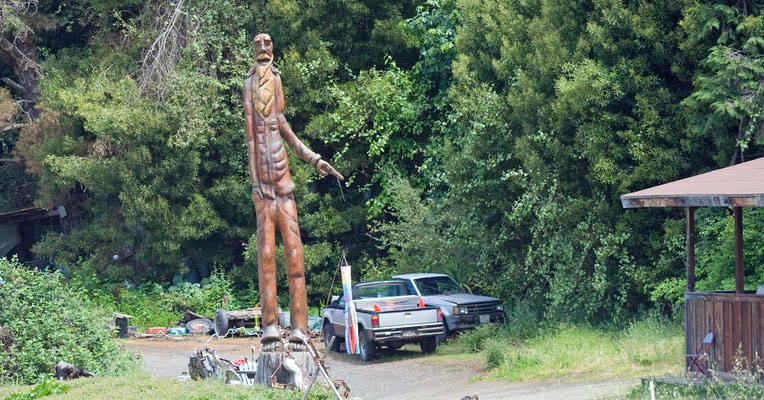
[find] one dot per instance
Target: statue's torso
(271, 162)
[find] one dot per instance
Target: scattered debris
(226, 320)
(178, 330)
(65, 371)
(188, 317)
(475, 397)
(121, 321)
(204, 364)
(199, 325)
(155, 330)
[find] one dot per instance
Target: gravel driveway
(404, 375)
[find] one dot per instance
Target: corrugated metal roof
(740, 185)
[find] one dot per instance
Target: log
(293, 368)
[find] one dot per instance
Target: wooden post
(738, 250)
(690, 249)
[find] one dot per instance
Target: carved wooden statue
(272, 191)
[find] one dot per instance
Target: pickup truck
(461, 310)
(388, 314)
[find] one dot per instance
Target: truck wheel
(428, 344)
(443, 337)
(328, 335)
(368, 351)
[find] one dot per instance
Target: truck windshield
(437, 285)
(388, 289)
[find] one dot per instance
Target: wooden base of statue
(290, 368)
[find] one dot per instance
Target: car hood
(458, 299)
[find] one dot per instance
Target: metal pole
(315, 374)
(739, 263)
(321, 368)
(690, 249)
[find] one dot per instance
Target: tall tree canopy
(490, 139)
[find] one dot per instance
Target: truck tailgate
(410, 317)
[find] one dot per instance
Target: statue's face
(263, 49)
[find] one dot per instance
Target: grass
(142, 386)
(647, 347)
(740, 390)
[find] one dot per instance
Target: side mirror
(335, 298)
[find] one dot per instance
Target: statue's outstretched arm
(323, 167)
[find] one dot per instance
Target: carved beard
(266, 86)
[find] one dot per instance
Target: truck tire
(328, 335)
(221, 322)
(368, 351)
(443, 337)
(428, 344)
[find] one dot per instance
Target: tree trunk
(20, 53)
(293, 371)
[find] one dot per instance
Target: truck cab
(461, 310)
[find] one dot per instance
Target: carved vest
(271, 160)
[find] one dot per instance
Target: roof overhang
(740, 185)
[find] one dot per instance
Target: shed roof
(28, 214)
(740, 185)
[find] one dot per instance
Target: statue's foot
(298, 336)
(271, 338)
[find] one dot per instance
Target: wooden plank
(727, 335)
(700, 325)
(718, 347)
(749, 296)
(689, 329)
(736, 325)
(745, 333)
(755, 333)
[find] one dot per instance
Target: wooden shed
(735, 318)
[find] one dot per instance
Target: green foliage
(126, 387)
(46, 387)
(739, 389)
(475, 340)
(487, 139)
(494, 353)
(152, 304)
(50, 322)
(728, 100)
(648, 345)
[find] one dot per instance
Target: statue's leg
(266, 267)
(298, 297)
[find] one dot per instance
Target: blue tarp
(314, 322)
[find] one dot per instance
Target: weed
(46, 387)
(494, 353)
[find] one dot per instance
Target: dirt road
(404, 374)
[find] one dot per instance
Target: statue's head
(263, 49)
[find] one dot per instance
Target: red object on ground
(156, 330)
(421, 303)
(376, 308)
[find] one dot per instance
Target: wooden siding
(736, 321)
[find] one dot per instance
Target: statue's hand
(324, 168)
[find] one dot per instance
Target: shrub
(50, 322)
(475, 339)
(494, 353)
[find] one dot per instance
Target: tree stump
(293, 367)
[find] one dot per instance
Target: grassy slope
(646, 348)
(142, 386)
